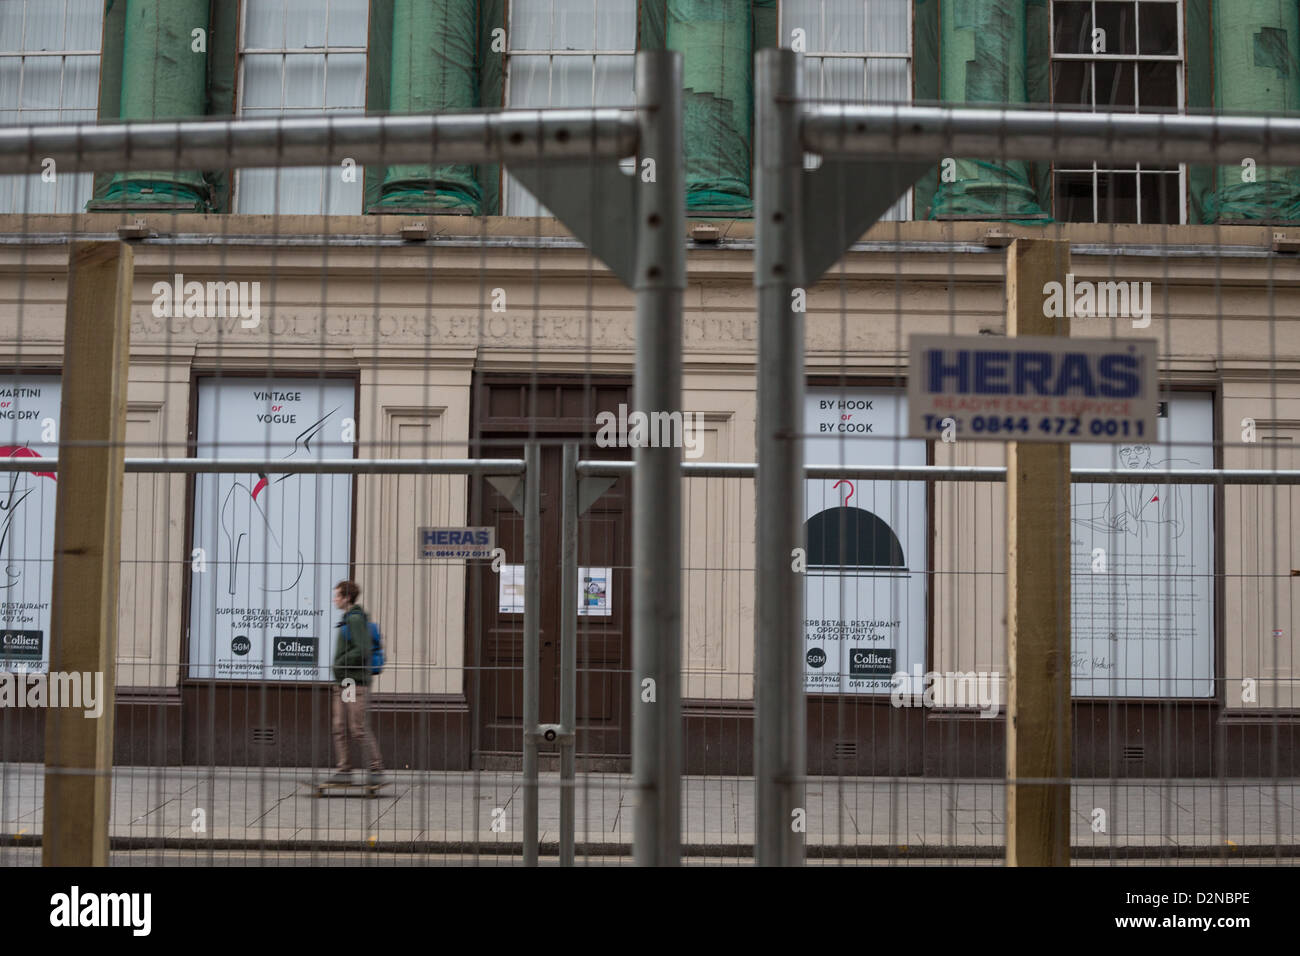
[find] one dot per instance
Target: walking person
(352, 660)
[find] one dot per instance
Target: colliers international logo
(212, 300)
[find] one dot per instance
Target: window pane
(614, 81)
(81, 82)
(1072, 25)
(616, 25)
(844, 79)
(44, 26)
(571, 80)
(85, 23)
(1072, 84)
(262, 80)
(41, 82)
(263, 24)
(889, 81)
(11, 26)
(304, 81)
(889, 26)
(802, 15)
(10, 69)
(1159, 29)
(346, 81)
(1161, 198)
(347, 25)
(1117, 19)
(1115, 87)
(530, 25)
(1158, 89)
(304, 25)
(574, 25)
(845, 26)
(1116, 197)
(529, 80)
(1073, 197)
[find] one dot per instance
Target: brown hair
(349, 590)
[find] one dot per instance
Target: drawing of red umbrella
(24, 451)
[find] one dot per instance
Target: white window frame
(783, 34)
(1180, 79)
(551, 54)
(22, 55)
(324, 51)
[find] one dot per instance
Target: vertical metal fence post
(532, 642)
(568, 652)
(779, 707)
(660, 281)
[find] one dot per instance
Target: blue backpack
(376, 649)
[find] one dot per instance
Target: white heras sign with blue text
(1032, 388)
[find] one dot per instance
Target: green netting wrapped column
(433, 71)
(162, 78)
(982, 55)
(1256, 43)
(716, 43)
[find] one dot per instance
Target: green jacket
(352, 648)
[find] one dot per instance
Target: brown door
(509, 413)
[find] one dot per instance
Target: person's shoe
(376, 777)
(341, 776)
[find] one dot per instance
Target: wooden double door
(509, 413)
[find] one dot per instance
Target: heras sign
(1031, 388)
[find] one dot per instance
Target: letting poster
(272, 544)
(29, 422)
(866, 545)
(1142, 564)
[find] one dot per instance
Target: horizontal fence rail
(925, 132)
(508, 136)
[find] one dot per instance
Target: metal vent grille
(1135, 753)
(846, 748)
(264, 735)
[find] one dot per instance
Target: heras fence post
(532, 640)
(1038, 595)
(779, 705)
(659, 281)
(87, 549)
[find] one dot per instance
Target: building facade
(499, 329)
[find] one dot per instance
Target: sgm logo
(75, 909)
(294, 650)
(868, 662)
(241, 645)
(213, 300)
(816, 657)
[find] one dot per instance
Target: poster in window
(865, 598)
(29, 422)
(274, 543)
(1142, 564)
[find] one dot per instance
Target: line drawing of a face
(244, 530)
(1135, 456)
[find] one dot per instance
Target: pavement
(458, 816)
